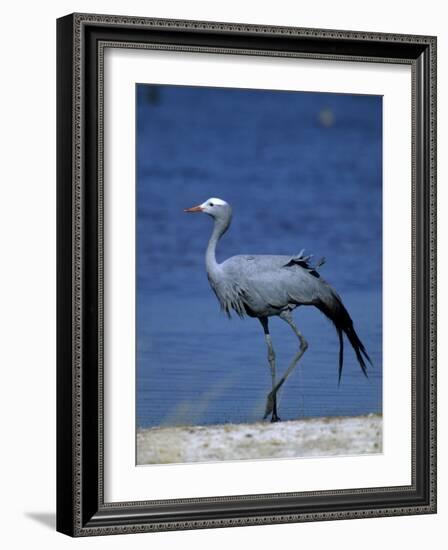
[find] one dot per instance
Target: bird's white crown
(214, 201)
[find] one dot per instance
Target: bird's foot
(275, 417)
(270, 403)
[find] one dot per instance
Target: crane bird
(262, 286)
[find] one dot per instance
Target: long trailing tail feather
(359, 348)
(341, 354)
(334, 309)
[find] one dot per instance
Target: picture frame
(81, 506)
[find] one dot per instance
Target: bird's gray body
(266, 285)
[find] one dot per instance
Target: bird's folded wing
(283, 286)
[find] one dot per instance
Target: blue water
(301, 170)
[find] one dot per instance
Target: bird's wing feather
(305, 262)
(264, 282)
(286, 285)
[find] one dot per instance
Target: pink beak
(194, 209)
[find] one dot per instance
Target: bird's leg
(271, 405)
(286, 316)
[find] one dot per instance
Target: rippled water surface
(301, 170)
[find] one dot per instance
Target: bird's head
(216, 208)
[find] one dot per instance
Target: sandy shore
(311, 437)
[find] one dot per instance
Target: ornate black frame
(81, 39)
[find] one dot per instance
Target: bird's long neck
(220, 227)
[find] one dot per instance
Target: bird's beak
(194, 209)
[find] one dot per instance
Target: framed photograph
(246, 274)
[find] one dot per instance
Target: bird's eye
(210, 204)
